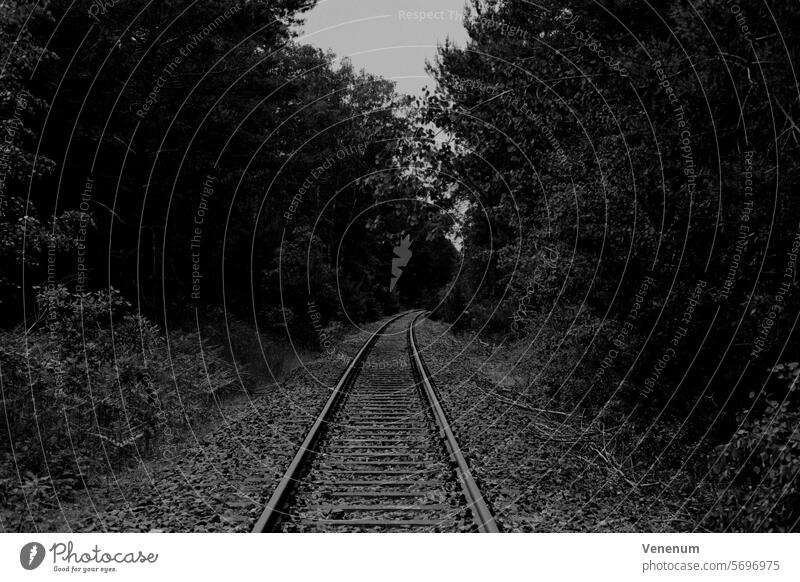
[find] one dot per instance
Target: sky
(391, 38)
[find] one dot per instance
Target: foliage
(621, 139)
(94, 384)
(209, 115)
(758, 469)
(191, 157)
(538, 122)
(25, 236)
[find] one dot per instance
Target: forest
(603, 190)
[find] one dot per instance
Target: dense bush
(92, 385)
(757, 471)
(552, 355)
(639, 191)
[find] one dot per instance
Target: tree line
(170, 167)
(628, 173)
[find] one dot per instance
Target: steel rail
(272, 512)
(483, 516)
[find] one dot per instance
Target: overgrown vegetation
(179, 181)
(91, 386)
(631, 228)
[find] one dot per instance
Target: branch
(606, 457)
(530, 408)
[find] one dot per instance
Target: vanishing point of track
(381, 455)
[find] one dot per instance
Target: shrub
(93, 384)
(757, 473)
(259, 354)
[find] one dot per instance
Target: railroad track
(381, 455)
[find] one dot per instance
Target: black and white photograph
(401, 269)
